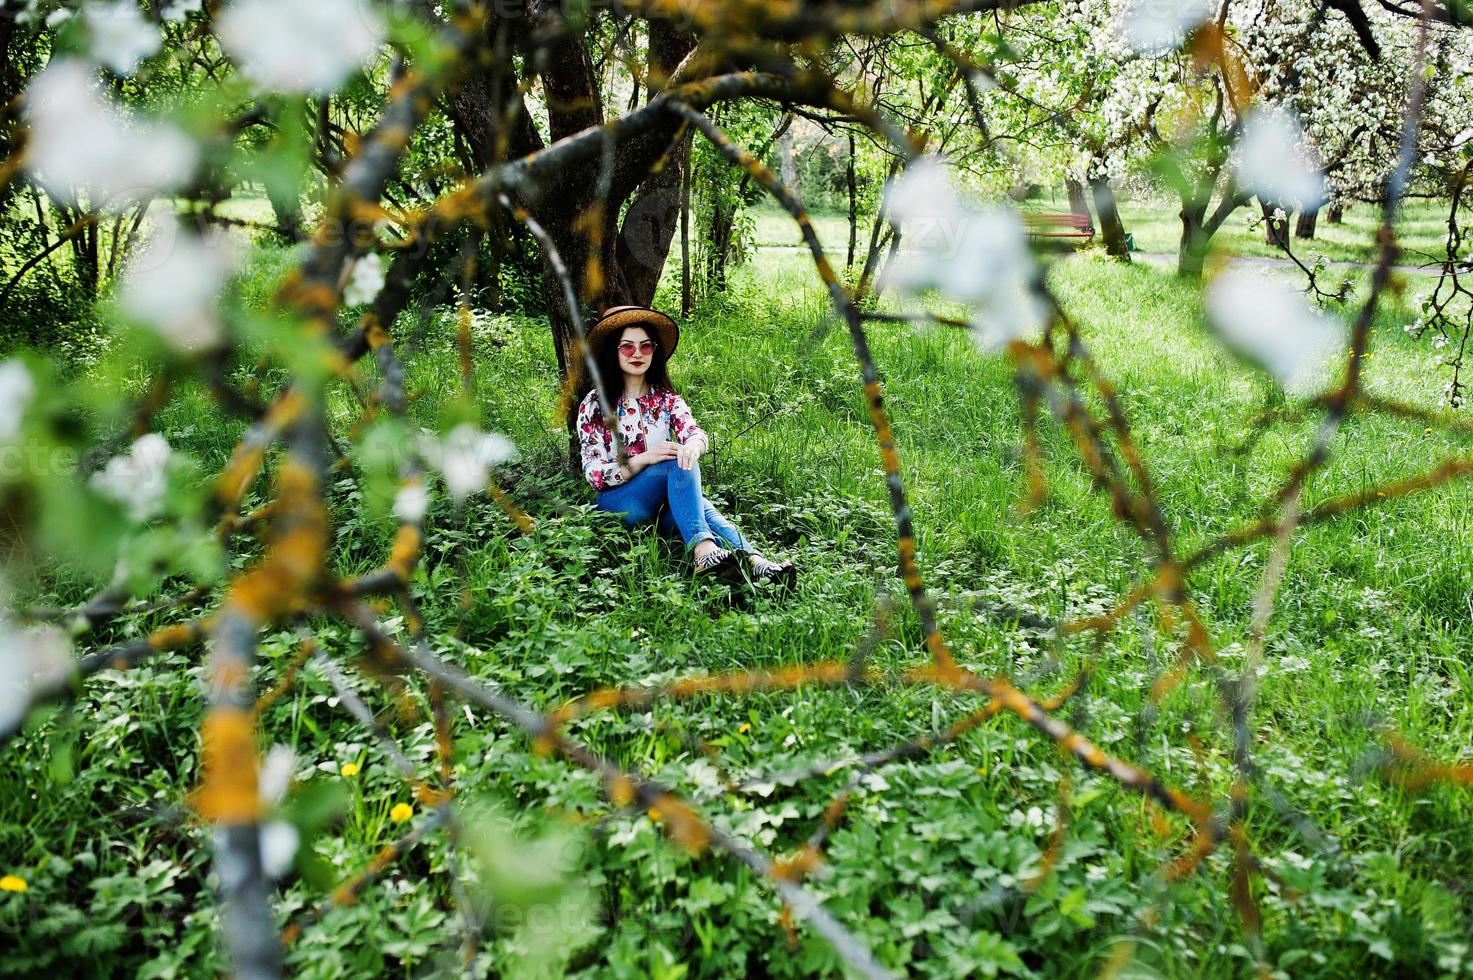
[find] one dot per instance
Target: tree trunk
(1192, 249)
(787, 163)
(1335, 214)
(876, 239)
(853, 205)
(1077, 203)
(650, 222)
(1304, 226)
(723, 222)
(890, 254)
(1275, 230)
(286, 207)
(871, 263)
(1111, 227)
(12, 81)
(685, 236)
(610, 263)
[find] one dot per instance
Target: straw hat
(616, 318)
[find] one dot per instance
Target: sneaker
(783, 573)
(720, 564)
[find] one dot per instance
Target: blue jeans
(673, 496)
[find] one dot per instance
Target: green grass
(773, 226)
(1421, 231)
(926, 868)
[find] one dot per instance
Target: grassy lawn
(932, 866)
(1156, 228)
(1421, 231)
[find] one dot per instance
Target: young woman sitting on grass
(662, 478)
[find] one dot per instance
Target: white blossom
(82, 141)
(120, 36)
(464, 455)
(279, 842)
(1156, 26)
(137, 480)
(171, 286)
(364, 280)
(411, 502)
(16, 389)
(57, 17)
(292, 46)
(179, 9)
(29, 659)
(1268, 322)
(981, 81)
(1273, 160)
(277, 770)
(975, 255)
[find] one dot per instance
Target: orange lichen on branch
(590, 224)
(1211, 45)
(620, 790)
(1442, 473)
(241, 471)
(740, 682)
(503, 500)
(229, 793)
(1413, 770)
(790, 930)
(1198, 646)
(405, 553)
(1242, 890)
(1203, 844)
(316, 299)
(800, 865)
(1131, 777)
(288, 677)
(374, 333)
(429, 797)
(175, 636)
(283, 582)
(682, 823)
(1056, 839)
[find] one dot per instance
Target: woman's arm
(683, 426)
(692, 438)
(600, 466)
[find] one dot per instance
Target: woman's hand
(657, 453)
(690, 452)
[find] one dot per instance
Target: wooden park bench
(1063, 225)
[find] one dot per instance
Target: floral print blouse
(653, 417)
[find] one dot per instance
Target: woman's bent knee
(677, 474)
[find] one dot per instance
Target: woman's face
(636, 350)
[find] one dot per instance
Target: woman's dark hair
(656, 378)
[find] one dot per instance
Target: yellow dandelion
(744, 729)
(654, 813)
(13, 883)
(348, 770)
(401, 812)
(1428, 429)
